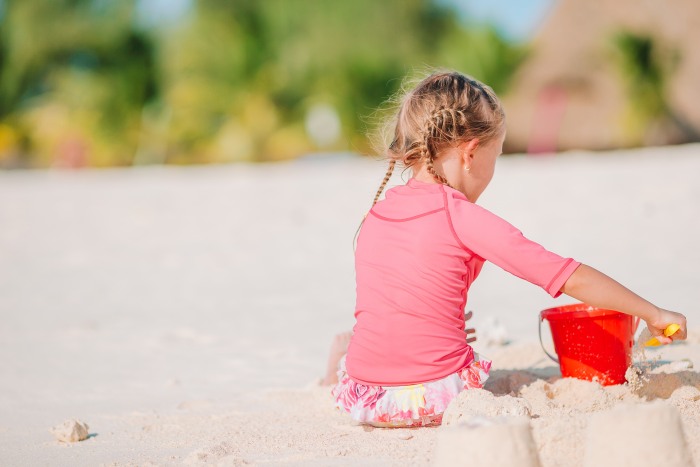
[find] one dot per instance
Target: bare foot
(339, 347)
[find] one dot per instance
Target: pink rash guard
(418, 252)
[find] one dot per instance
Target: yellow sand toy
(668, 332)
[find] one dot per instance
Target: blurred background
(93, 83)
(223, 263)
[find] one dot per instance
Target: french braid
(444, 123)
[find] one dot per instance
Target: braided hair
(443, 109)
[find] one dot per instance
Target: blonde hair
(443, 109)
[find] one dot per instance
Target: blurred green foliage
(646, 71)
(647, 65)
(83, 82)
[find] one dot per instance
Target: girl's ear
(467, 150)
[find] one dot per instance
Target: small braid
(442, 121)
(389, 171)
(461, 118)
(436, 176)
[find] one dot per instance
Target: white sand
(183, 312)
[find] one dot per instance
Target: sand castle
(647, 434)
(487, 442)
(478, 431)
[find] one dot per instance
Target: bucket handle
(539, 332)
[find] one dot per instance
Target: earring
(467, 168)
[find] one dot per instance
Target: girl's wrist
(652, 314)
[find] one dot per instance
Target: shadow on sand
(502, 382)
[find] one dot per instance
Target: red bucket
(592, 343)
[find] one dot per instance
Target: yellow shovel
(668, 332)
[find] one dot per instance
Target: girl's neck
(425, 177)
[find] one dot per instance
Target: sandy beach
(185, 314)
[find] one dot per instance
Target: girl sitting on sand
(420, 249)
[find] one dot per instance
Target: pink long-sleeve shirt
(418, 252)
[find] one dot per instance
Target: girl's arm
(595, 288)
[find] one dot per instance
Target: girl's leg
(339, 347)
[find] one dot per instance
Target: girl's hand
(471, 332)
(596, 289)
(662, 321)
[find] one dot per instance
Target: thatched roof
(571, 92)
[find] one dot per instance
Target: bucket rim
(577, 310)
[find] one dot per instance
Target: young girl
(420, 249)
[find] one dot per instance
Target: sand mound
(572, 395)
(479, 402)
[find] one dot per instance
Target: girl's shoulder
(465, 213)
(456, 200)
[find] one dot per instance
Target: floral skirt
(403, 406)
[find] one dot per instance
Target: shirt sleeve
(494, 239)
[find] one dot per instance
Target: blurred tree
(646, 68)
(484, 53)
(75, 72)
(229, 80)
(247, 73)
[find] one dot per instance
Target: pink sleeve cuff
(558, 281)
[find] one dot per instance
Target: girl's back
(418, 253)
(412, 278)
